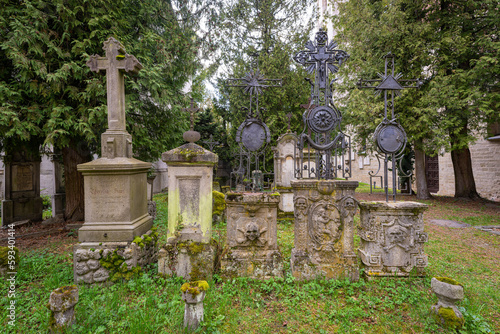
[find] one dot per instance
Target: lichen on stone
(195, 288)
(448, 280)
(447, 317)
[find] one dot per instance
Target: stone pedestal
(108, 262)
(252, 236)
(392, 238)
(188, 252)
(324, 229)
(449, 292)
(62, 303)
(22, 188)
(193, 294)
(116, 207)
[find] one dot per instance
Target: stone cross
(289, 116)
(211, 143)
(114, 63)
(191, 110)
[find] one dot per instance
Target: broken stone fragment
(193, 294)
(448, 292)
(62, 303)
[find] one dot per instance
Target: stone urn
(448, 292)
(193, 294)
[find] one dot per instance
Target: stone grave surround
(284, 167)
(188, 252)
(115, 186)
(324, 230)
(252, 236)
(392, 238)
(22, 188)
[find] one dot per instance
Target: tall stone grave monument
(392, 234)
(324, 207)
(116, 238)
(22, 187)
(188, 252)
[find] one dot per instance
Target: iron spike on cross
(321, 58)
(192, 109)
(114, 63)
(253, 84)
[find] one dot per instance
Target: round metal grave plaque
(323, 119)
(390, 138)
(253, 135)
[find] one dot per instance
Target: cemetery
(255, 211)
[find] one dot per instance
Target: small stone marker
(449, 292)
(193, 293)
(62, 303)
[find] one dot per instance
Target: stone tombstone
(252, 236)
(61, 304)
(324, 229)
(392, 238)
(22, 188)
(284, 169)
(115, 185)
(188, 252)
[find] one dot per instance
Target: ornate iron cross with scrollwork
(389, 136)
(211, 143)
(321, 58)
(253, 84)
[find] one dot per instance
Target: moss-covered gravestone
(115, 186)
(61, 304)
(449, 292)
(188, 252)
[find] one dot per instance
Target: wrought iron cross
(389, 83)
(390, 136)
(321, 58)
(191, 110)
(253, 84)
(114, 63)
(211, 143)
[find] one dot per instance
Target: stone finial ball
(191, 136)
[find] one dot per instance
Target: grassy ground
(150, 304)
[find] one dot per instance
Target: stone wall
(486, 168)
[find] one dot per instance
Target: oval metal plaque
(323, 119)
(253, 136)
(390, 138)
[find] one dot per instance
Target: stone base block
(257, 265)
(108, 262)
(286, 200)
(392, 238)
(305, 268)
(188, 259)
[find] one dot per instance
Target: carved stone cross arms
(114, 63)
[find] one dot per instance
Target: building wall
(485, 157)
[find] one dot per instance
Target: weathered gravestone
(392, 238)
(188, 252)
(22, 187)
(116, 238)
(252, 236)
(284, 169)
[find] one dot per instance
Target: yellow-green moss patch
(448, 280)
(195, 288)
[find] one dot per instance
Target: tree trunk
(422, 190)
(465, 186)
(74, 155)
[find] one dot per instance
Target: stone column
(188, 252)
(284, 167)
(22, 188)
(392, 238)
(252, 236)
(62, 303)
(324, 229)
(449, 292)
(59, 197)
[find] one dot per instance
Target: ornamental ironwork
(324, 151)
(253, 134)
(389, 136)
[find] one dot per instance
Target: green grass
(151, 304)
